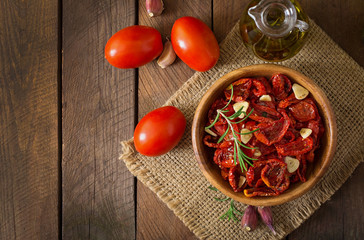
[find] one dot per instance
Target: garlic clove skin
(168, 55)
(244, 105)
(154, 7)
(250, 219)
(299, 91)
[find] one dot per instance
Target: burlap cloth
(178, 181)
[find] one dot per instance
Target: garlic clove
(242, 180)
(299, 91)
(257, 153)
(292, 164)
(267, 217)
(244, 105)
(305, 132)
(168, 55)
(154, 7)
(265, 98)
(210, 132)
(249, 220)
(245, 137)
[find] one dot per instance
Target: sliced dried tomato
(291, 99)
(265, 109)
(270, 133)
(253, 175)
(225, 173)
(260, 119)
(303, 111)
(241, 90)
(275, 175)
(234, 179)
(297, 147)
(258, 88)
(211, 141)
(261, 191)
(301, 172)
(281, 86)
(224, 157)
(266, 84)
(265, 149)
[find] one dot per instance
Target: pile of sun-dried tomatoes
(280, 118)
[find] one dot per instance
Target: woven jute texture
(176, 178)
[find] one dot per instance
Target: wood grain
(155, 220)
(98, 112)
(29, 161)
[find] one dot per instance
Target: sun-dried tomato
(234, 179)
(301, 172)
(241, 90)
(266, 84)
(253, 175)
(264, 109)
(224, 157)
(275, 175)
(281, 86)
(218, 104)
(258, 88)
(291, 99)
(303, 111)
(270, 133)
(225, 173)
(261, 191)
(297, 147)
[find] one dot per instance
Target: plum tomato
(159, 131)
(133, 47)
(194, 43)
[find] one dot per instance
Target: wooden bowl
(315, 170)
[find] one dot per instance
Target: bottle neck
(274, 18)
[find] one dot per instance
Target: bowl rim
(325, 109)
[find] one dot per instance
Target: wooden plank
(98, 112)
(155, 220)
(29, 157)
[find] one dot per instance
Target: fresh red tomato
(159, 131)
(133, 47)
(194, 43)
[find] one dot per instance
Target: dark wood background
(64, 110)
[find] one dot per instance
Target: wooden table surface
(64, 111)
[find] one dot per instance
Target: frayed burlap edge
(322, 191)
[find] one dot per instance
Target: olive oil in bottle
(274, 30)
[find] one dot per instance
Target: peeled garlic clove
(242, 180)
(292, 164)
(299, 91)
(250, 219)
(257, 153)
(154, 7)
(245, 137)
(305, 132)
(265, 98)
(168, 55)
(267, 217)
(210, 132)
(244, 105)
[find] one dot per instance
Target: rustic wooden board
(29, 161)
(154, 219)
(98, 107)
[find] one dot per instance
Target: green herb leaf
(222, 136)
(213, 123)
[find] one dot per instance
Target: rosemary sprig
(232, 211)
(239, 155)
